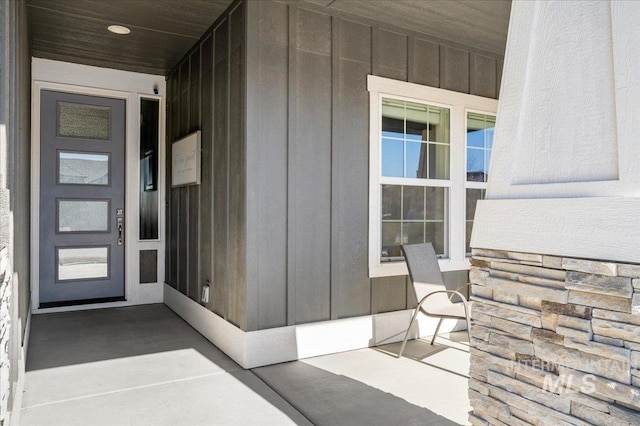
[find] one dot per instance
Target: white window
(417, 183)
(480, 131)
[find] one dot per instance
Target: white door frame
(94, 81)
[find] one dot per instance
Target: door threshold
(81, 302)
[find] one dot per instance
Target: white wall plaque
(185, 161)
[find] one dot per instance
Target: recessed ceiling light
(118, 29)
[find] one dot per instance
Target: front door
(82, 177)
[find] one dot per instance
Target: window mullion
(385, 180)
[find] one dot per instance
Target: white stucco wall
(567, 132)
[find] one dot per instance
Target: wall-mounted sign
(185, 161)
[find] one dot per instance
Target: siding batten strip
(212, 114)
(229, 276)
(472, 78)
(252, 28)
(442, 52)
(198, 189)
(215, 284)
(334, 293)
(411, 52)
(291, 247)
(375, 61)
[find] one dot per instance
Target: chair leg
(406, 336)
(433, 339)
(468, 326)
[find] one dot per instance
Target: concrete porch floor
(144, 365)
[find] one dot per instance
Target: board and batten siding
(206, 222)
(308, 155)
(279, 225)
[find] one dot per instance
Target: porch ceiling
(477, 23)
(162, 31)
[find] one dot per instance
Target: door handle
(120, 222)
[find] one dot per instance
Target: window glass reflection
(475, 165)
(473, 196)
(423, 218)
(416, 160)
(480, 132)
(392, 158)
(391, 202)
(82, 263)
(413, 203)
(83, 168)
(438, 161)
(415, 140)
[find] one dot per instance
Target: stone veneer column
(555, 331)
(554, 340)
(5, 331)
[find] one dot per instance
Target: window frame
(455, 231)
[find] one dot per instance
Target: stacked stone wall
(554, 340)
(5, 333)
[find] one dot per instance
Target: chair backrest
(424, 269)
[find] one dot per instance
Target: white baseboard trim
(13, 417)
(275, 345)
(226, 336)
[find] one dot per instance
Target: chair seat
(452, 310)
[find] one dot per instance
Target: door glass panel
(82, 263)
(149, 136)
(83, 121)
(83, 215)
(83, 168)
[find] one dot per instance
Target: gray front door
(82, 176)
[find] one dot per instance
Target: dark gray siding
(267, 171)
(206, 223)
(454, 69)
(148, 264)
(193, 193)
(279, 225)
(308, 155)
(206, 200)
(236, 218)
(310, 168)
(350, 289)
(15, 189)
(220, 118)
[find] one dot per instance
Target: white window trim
(459, 104)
